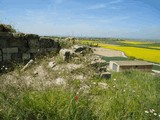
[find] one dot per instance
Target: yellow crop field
(135, 42)
(140, 53)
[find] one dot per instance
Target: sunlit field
(148, 53)
(135, 42)
(140, 53)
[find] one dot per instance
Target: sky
(138, 19)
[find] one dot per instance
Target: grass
(128, 95)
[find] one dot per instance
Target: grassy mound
(129, 95)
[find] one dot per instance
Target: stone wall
(21, 47)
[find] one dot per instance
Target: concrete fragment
(10, 50)
(27, 65)
(51, 64)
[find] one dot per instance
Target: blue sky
(94, 18)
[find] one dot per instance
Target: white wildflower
(159, 115)
(114, 79)
(114, 86)
(155, 114)
(146, 111)
(124, 90)
(152, 110)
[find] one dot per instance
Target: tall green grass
(130, 95)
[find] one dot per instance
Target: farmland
(148, 51)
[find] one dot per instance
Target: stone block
(5, 35)
(17, 43)
(10, 50)
(46, 42)
(16, 57)
(105, 75)
(6, 57)
(3, 43)
(0, 58)
(26, 56)
(34, 43)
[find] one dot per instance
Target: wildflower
(114, 86)
(146, 111)
(114, 79)
(124, 90)
(6, 68)
(94, 83)
(159, 115)
(76, 98)
(152, 110)
(155, 114)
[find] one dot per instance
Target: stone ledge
(10, 50)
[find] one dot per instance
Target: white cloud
(98, 6)
(108, 5)
(116, 1)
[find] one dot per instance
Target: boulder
(105, 75)
(46, 42)
(67, 54)
(51, 64)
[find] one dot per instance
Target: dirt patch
(108, 52)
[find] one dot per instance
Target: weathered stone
(16, 57)
(105, 75)
(10, 50)
(18, 35)
(5, 36)
(46, 42)
(26, 56)
(28, 65)
(102, 69)
(6, 57)
(0, 56)
(67, 54)
(99, 63)
(17, 43)
(3, 43)
(31, 36)
(78, 48)
(33, 43)
(51, 64)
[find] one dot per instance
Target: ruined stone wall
(21, 47)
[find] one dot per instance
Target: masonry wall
(22, 47)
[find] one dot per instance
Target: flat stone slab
(10, 50)
(6, 57)
(105, 75)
